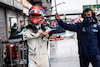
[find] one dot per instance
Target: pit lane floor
(64, 53)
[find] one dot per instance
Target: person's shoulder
(98, 24)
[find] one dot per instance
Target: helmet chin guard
(36, 21)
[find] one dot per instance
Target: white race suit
(37, 46)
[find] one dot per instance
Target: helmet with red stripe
(36, 15)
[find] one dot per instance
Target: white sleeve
(28, 34)
(25, 34)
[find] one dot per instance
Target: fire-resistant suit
(37, 46)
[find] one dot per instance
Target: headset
(93, 14)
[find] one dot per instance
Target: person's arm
(25, 34)
(51, 31)
(57, 31)
(99, 31)
(99, 36)
(72, 27)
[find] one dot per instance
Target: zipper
(89, 38)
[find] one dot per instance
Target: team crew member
(88, 35)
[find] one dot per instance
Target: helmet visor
(35, 15)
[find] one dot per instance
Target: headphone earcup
(94, 17)
(82, 15)
(93, 14)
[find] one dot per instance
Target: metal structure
(62, 15)
(46, 4)
(21, 61)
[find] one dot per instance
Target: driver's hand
(43, 34)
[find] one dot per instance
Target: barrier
(1, 53)
(15, 54)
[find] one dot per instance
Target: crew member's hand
(57, 17)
